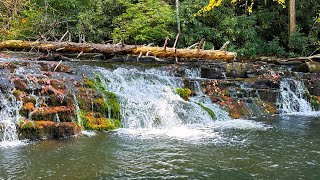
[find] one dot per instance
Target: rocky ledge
(57, 100)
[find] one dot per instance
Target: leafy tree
(144, 21)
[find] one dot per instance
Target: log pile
(121, 49)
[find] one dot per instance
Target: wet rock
(236, 70)
(59, 113)
(268, 95)
(27, 109)
(312, 83)
(35, 130)
(266, 84)
(96, 121)
(212, 73)
(308, 67)
(190, 84)
(55, 67)
(20, 84)
(9, 66)
(53, 57)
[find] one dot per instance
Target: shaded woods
(253, 28)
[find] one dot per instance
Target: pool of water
(272, 148)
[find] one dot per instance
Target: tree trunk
(109, 49)
(292, 17)
(178, 16)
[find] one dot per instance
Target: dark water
(290, 149)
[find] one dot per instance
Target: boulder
(212, 73)
(35, 130)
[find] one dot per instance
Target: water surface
(286, 147)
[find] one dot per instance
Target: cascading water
(292, 97)
(9, 116)
(148, 99)
(150, 106)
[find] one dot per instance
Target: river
(274, 148)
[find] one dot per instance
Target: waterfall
(292, 97)
(9, 116)
(148, 99)
(150, 108)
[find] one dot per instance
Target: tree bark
(109, 49)
(292, 17)
(178, 17)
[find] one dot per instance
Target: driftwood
(121, 49)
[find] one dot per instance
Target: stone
(35, 130)
(268, 95)
(236, 70)
(308, 67)
(212, 73)
(20, 84)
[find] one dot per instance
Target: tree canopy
(253, 27)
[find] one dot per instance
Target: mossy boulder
(35, 130)
(27, 108)
(96, 121)
(184, 93)
(64, 113)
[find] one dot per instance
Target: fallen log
(121, 49)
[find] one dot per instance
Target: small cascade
(206, 102)
(76, 104)
(292, 97)
(9, 116)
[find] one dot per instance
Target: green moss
(315, 103)
(89, 83)
(209, 111)
(183, 93)
(17, 94)
(104, 103)
(113, 103)
(26, 125)
(96, 121)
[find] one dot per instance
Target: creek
(163, 135)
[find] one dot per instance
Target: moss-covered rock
(96, 121)
(315, 102)
(35, 130)
(184, 93)
(64, 113)
(26, 109)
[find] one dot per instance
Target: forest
(253, 28)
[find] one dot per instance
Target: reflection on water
(282, 147)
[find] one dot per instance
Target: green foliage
(262, 32)
(145, 21)
(184, 93)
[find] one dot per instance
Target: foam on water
(196, 133)
(15, 143)
(88, 133)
